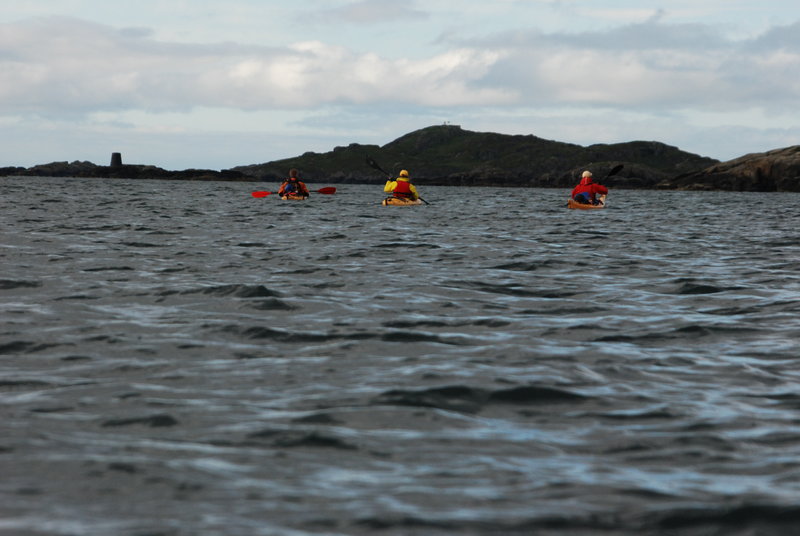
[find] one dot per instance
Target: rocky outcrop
(772, 171)
(88, 169)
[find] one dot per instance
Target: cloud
(778, 38)
(372, 11)
(70, 68)
(649, 65)
(56, 64)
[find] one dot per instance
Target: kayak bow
(396, 201)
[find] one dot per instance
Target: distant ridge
(450, 155)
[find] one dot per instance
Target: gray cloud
(778, 38)
(53, 65)
(372, 11)
(56, 64)
(64, 68)
(651, 65)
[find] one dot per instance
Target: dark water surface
(180, 358)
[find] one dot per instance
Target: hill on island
(450, 155)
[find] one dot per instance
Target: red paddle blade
(261, 194)
(327, 190)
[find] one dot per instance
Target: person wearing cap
(586, 192)
(401, 187)
(293, 186)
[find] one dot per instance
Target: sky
(216, 84)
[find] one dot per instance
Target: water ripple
(485, 364)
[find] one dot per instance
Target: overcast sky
(216, 84)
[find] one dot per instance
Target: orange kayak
(571, 203)
(294, 197)
(396, 201)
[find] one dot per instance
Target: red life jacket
(589, 187)
(403, 189)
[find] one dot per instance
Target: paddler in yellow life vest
(401, 187)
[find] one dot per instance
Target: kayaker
(401, 187)
(293, 185)
(586, 191)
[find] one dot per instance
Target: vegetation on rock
(449, 155)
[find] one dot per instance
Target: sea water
(181, 358)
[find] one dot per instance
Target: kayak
(397, 201)
(294, 197)
(571, 203)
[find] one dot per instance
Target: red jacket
(589, 187)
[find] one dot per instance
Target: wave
(511, 289)
(10, 284)
(252, 245)
(271, 304)
(24, 384)
(473, 399)
(26, 347)
(531, 266)
(417, 336)
(109, 269)
(742, 520)
(407, 245)
(690, 332)
(235, 290)
(154, 421)
(297, 439)
(278, 335)
(487, 322)
(301, 337)
(141, 245)
(691, 287)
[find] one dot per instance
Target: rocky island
(450, 155)
(772, 171)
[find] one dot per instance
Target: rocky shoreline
(88, 169)
(449, 156)
(771, 171)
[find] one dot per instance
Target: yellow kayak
(397, 201)
(294, 197)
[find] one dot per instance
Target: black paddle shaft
(616, 169)
(374, 164)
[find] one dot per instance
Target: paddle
(616, 169)
(326, 190)
(374, 164)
